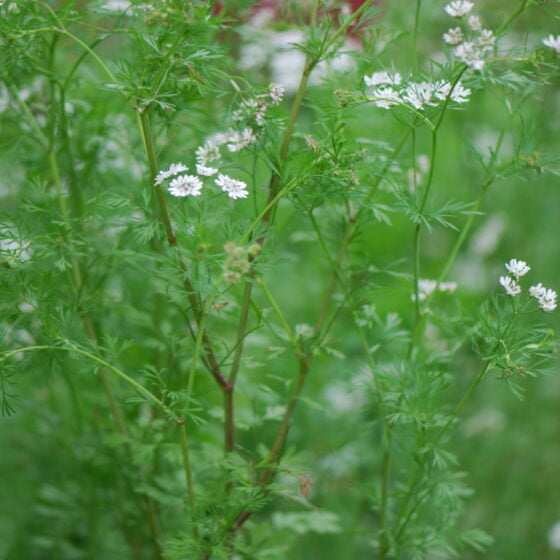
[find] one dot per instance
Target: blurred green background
(51, 475)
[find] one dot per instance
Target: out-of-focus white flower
(545, 297)
(208, 153)
(447, 287)
(554, 536)
(511, 287)
(12, 247)
(386, 97)
(116, 5)
(233, 187)
(485, 241)
(239, 140)
(553, 43)
(174, 169)
(469, 55)
(276, 93)
(185, 185)
(454, 36)
(537, 291)
(286, 64)
(474, 23)
(205, 171)
(459, 8)
(426, 287)
(460, 94)
(381, 78)
(486, 40)
(517, 268)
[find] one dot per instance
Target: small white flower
(239, 140)
(545, 297)
(174, 169)
(459, 8)
(387, 97)
(205, 171)
(381, 78)
(233, 187)
(419, 94)
(553, 43)
(208, 153)
(185, 185)
(425, 288)
(460, 94)
(548, 300)
(517, 268)
(537, 291)
(511, 287)
(474, 23)
(486, 40)
(276, 93)
(469, 55)
(454, 36)
(257, 109)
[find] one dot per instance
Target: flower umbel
(185, 185)
(233, 187)
(459, 8)
(454, 36)
(546, 298)
(174, 169)
(205, 171)
(511, 287)
(517, 268)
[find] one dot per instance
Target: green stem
(229, 424)
(147, 140)
(415, 35)
(280, 315)
(183, 440)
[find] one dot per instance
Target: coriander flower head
(486, 40)
(233, 187)
(454, 36)
(207, 153)
(185, 185)
(386, 97)
(511, 287)
(546, 298)
(205, 171)
(517, 268)
(276, 93)
(474, 23)
(381, 78)
(553, 43)
(468, 54)
(174, 169)
(459, 8)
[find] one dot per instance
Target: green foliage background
(62, 465)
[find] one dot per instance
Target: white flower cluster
(210, 152)
(553, 43)
(255, 109)
(191, 185)
(472, 44)
(546, 298)
(427, 287)
(389, 90)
